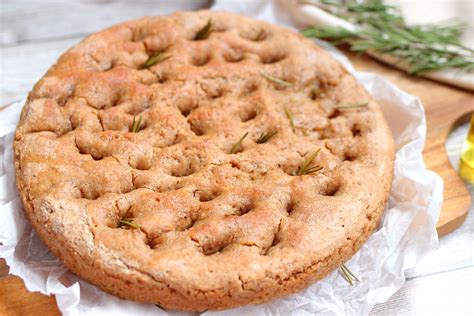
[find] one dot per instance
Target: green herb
(381, 28)
(155, 58)
(305, 167)
(281, 82)
(128, 222)
(235, 148)
(205, 31)
(348, 275)
(136, 124)
(352, 106)
(266, 136)
(290, 118)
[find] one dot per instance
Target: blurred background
(33, 33)
(26, 20)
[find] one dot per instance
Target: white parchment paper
(406, 233)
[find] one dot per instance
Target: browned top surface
(209, 220)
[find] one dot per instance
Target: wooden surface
(444, 106)
(16, 300)
(26, 52)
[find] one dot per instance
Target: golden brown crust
(217, 229)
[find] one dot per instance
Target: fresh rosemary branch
(266, 136)
(136, 124)
(382, 29)
(281, 82)
(155, 58)
(305, 167)
(128, 222)
(348, 275)
(290, 118)
(205, 31)
(352, 106)
(235, 148)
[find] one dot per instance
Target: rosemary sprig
(382, 29)
(128, 222)
(136, 124)
(235, 148)
(279, 81)
(290, 118)
(348, 275)
(205, 31)
(305, 167)
(155, 58)
(266, 136)
(352, 106)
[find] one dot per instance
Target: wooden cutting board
(444, 107)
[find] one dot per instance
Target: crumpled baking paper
(406, 233)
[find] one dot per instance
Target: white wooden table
(32, 36)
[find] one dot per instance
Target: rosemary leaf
(352, 106)
(352, 274)
(266, 136)
(235, 148)
(305, 167)
(290, 118)
(136, 124)
(281, 82)
(311, 170)
(335, 34)
(155, 58)
(128, 222)
(205, 31)
(381, 28)
(348, 275)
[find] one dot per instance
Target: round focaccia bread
(201, 160)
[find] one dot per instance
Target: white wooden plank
(23, 65)
(448, 293)
(26, 20)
